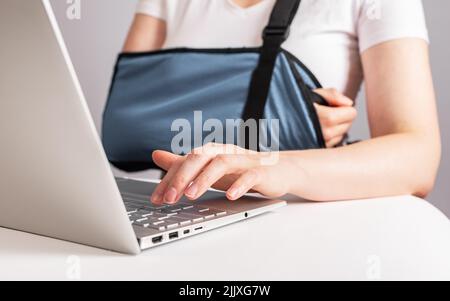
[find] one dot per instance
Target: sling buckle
(282, 32)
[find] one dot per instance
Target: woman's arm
(146, 34)
(402, 157)
(404, 154)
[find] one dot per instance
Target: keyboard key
(217, 213)
(160, 216)
(171, 214)
(177, 207)
(157, 225)
(143, 204)
(134, 216)
(144, 213)
(160, 227)
(185, 223)
(196, 211)
(210, 216)
(153, 207)
(182, 221)
(172, 225)
(192, 217)
(142, 224)
(209, 213)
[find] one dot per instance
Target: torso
(328, 36)
(323, 31)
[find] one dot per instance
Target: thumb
(334, 98)
(164, 159)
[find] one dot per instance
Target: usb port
(173, 235)
(186, 231)
(157, 239)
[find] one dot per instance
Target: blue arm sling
(151, 90)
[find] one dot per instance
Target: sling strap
(274, 35)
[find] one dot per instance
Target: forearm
(390, 165)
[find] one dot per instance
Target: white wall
(95, 40)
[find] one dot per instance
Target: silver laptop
(55, 179)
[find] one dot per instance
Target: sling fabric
(274, 35)
(151, 90)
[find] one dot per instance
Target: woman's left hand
(335, 119)
(224, 167)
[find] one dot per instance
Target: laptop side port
(186, 231)
(173, 235)
(157, 239)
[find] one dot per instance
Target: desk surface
(402, 238)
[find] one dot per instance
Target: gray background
(95, 40)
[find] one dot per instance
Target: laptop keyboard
(166, 217)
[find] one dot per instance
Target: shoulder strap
(274, 35)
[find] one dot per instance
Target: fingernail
(233, 193)
(191, 192)
(171, 196)
(156, 198)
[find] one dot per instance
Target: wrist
(294, 173)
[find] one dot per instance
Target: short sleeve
(154, 8)
(384, 20)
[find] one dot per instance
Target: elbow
(424, 187)
(425, 179)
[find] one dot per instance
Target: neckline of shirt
(244, 11)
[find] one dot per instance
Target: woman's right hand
(337, 118)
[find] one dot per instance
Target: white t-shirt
(326, 35)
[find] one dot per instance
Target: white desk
(389, 239)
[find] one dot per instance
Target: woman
(383, 42)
